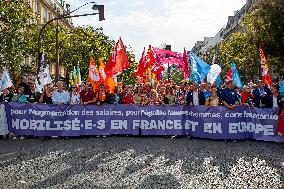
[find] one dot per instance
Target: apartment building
(201, 47)
(45, 10)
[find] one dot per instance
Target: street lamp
(100, 12)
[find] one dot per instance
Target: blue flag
(199, 68)
(218, 81)
(282, 87)
(236, 76)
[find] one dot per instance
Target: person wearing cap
(60, 96)
(262, 95)
(229, 96)
(195, 97)
(20, 96)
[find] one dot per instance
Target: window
(44, 13)
(50, 17)
(36, 6)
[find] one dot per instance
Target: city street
(122, 162)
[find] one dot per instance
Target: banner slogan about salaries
(197, 121)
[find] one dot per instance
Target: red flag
(94, 76)
(230, 75)
(157, 69)
(186, 65)
(110, 64)
(266, 78)
(118, 61)
(150, 57)
(121, 59)
(142, 67)
(280, 128)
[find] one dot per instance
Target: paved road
(121, 162)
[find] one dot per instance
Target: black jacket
(7, 98)
(279, 102)
(266, 99)
(201, 97)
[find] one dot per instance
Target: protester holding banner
(275, 98)
(115, 98)
(229, 96)
(213, 99)
(138, 96)
(169, 97)
(60, 96)
(74, 96)
(101, 95)
(247, 97)
(262, 94)
(87, 94)
(32, 95)
(128, 97)
(195, 97)
(6, 96)
(20, 96)
(46, 96)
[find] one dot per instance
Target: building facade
(201, 47)
(45, 10)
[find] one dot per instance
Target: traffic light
(101, 9)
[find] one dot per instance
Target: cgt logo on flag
(93, 73)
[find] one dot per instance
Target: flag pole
(169, 72)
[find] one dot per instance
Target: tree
(17, 28)
(262, 26)
(265, 23)
(238, 48)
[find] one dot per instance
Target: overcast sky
(143, 22)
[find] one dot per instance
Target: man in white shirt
(60, 96)
(195, 97)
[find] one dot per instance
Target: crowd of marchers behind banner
(188, 94)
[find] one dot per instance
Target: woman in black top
(46, 96)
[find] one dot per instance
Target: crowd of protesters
(191, 94)
(185, 94)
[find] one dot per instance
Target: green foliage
(16, 34)
(19, 35)
(245, 54)
(262, 26)
(128, 76)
